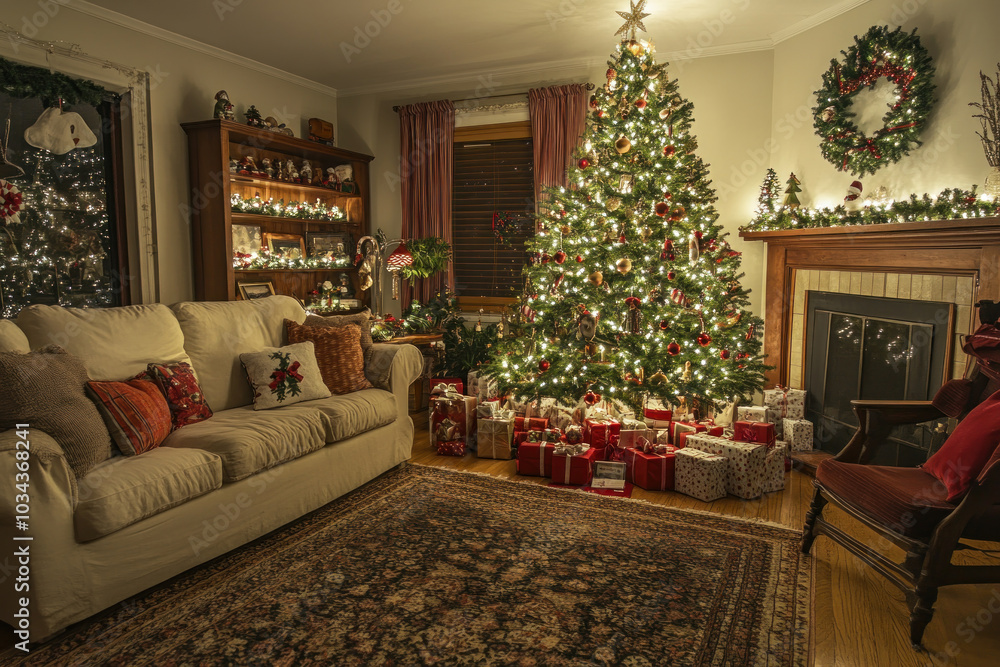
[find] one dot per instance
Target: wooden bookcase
(211, 144)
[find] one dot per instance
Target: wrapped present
(461, 410)
(575, 469)
(448, 438)
(632, 430)
(757, 432)
(440, 386)
(518, 405)
(662, 437)
(786, 403)
(650, 471)
(725, 414)
(566, 449)
(451, 447)
(657, 410)
(520, 437)
(799, 434)
(495, 439)
(650, 447)
(535, 458)
(544, 408)
(536, 436)
(561, 417)
(483, 386)
(699, 474)
(488, 409)
(677, 428)
(774, 467)
(598, 432)
(754, 413)
(745, 462)
(574, 434)
(533, 424)
(552, 435)
(657, 424)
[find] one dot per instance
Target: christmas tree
(766, 201)
(632, 288)
(791, 198)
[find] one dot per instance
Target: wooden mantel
(948, 247)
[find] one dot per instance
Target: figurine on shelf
(279, 171)
(345, 176)
(253, 117)
(266, 166)
(318, 176)
(247, 166)
(291, 172)
(234, 165)
(272, 125)
(346, 289)
(331, 179)
(306, 173)
(223, 107)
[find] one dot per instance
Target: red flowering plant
(286, 377)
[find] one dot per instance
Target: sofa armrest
(394, 368)
(48, 469)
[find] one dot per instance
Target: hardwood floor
(859, 619)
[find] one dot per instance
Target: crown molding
(817, 19)
(676, 57)
(194, 45)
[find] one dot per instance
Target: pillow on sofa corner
(135, 412)
(284, 375)
(339, 355)
(363, 320)
(45, 389)
(180, 388)
(968, 448)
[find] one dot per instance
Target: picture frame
(608, 475)
(257, 290)
(247, 239)
(325, 244)
(290, 246)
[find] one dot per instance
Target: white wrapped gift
(632, 430)
(799, 434)
(786, 403)
(699, 474)
(774, 467)
(746, 462)
(754, 413)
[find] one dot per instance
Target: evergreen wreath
(897, 56)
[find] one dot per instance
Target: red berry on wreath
(669, 150)
(704, 339)
(584, 163)
(724, 354)
(543, 365)
(560, 257)
(674, 348)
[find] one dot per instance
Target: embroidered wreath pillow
(284, 375)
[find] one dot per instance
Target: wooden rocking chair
(909, 506)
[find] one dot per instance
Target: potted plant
(430, 257)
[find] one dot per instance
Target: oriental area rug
(425, 566)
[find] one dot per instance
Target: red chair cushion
(968, 448)
(906, 500)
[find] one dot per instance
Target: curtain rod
(396, 108)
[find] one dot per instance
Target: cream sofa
(133, 522)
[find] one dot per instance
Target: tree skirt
(428, 566)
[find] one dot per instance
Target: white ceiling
(438, 40)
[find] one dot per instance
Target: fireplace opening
(874, 348)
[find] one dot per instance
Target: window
(493, 176)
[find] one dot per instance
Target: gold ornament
(633, 19)
(624, 265)
(636, 47)
(687, 372)
(614, 203)
(645, 234)
(596, 278)
(733, 317)
(657, 378)
(665, 113)
(623, 145)
(565, 230)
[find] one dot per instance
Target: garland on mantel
(293, 209)
(26, 81)
(951, 204)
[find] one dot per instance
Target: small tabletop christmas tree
(632, 289)
(766, 201)
(791, 198)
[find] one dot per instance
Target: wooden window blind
(491, 175)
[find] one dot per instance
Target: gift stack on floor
(452, 421)
(786, 409)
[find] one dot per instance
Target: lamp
(399, 258)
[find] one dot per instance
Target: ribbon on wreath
(869, 145)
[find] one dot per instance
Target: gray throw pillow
(46, 389)
(284, 375)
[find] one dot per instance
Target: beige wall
(183, 84)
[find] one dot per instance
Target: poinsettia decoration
(286, 377)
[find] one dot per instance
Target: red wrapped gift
(755, 432)
(520, 437)
(653, 472)
(677, 428)
(530, 424)
(598, 432)
(658, 414)
(576, 470)
(535, 458)
(459, 409)
(434, 382)
(451, 447)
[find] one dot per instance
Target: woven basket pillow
(338, 353)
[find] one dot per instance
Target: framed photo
(290, 246)
(247, 239)
(255, 290)
(330, 244)
(608, 475)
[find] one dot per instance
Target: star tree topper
(633, 19)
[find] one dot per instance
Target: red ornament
(671, 275)
(560, 257)
(667, 196)
(677, 296)
(724, 354)
(584, 163)
(590, 398)
(669, 150)
(698, 234)
(559, 280)
(640, 103)
(664, 325)
(600, 113)
(663, 256)
(752, 332)
(543, 365)
(579, 259)
(674, 348)
(678, 214)
(622, 239)
(546, 258)
(662, 208)
(704, 339)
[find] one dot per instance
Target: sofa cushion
(135, 412)
(12, 339)
(114, 343)
(338, 353)
(250, 441)
(282, 376)
(348, 415)
(127, 489)
(968, 448)
(179, 387)
(216, 333)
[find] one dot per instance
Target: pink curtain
(558, 119)
(426, 156)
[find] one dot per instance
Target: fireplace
(873, 348)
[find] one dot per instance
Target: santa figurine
(853, 201)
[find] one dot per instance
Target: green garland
(899, 57)
(951, 204)
(293, 209)
(25, 81)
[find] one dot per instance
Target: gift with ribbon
(574, 434)
(598, 432)
(544, 408)
(786, 403)
(552, 435)
(533, 424)
(573, 469)
(754, 413)
(699, 474)
(536, 436)
(755, 432)
(495, 439)
(745, 462)
(632, 430)
(483, 386)
(535, 459)
(799, 434)
(518, 405)
(774, 467)
(650, 470)
(459, 409)
(448, 439)
(442, 386)
(566, 449)
(679, 429)
(657, 410)
(488, 409)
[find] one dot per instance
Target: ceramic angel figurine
(306, 172)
